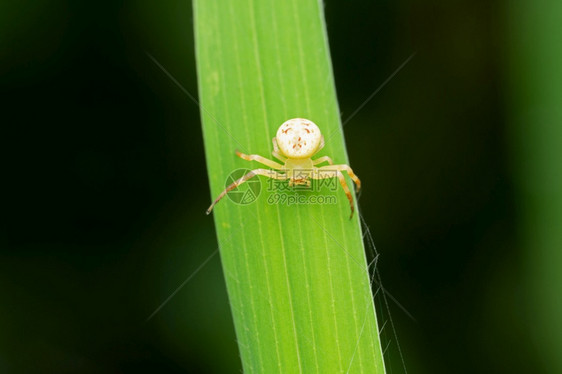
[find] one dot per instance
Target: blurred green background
(106, 187)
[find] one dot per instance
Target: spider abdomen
(298, 138)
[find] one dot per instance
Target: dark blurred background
(106, 187)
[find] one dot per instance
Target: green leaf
(296, 274)
(535, 119)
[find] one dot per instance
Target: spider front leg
(322, 159)
(275, 152)
(265, 172)
(329, 173)
(260, 159)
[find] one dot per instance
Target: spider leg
(322, 143)
(260, 159)
(322, 159)
(320, 175)
(345, 168)
(275, 152)
(265, 172)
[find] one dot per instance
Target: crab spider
(297, 140)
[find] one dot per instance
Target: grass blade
(535, 113)
(296, 274)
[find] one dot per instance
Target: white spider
(297, 140)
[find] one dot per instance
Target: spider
(297, 140)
